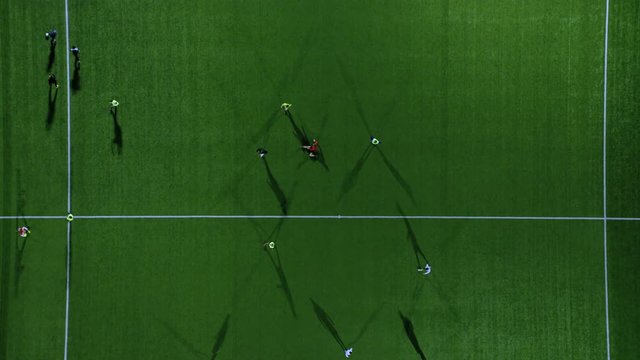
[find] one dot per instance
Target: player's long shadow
(51, 112)
(20, 244)
(351, 85)
(287, 79)
(396, 174)
(52, 56)
(321, 159)
(284, 284)
(328, 324)
(408, 329)
(368, 323)
(75, 80)
(352, 177)
(411, 236)
(222, 333)
(271, 121)
(275, 187)
(297, 131)
(116, 143)
(182, 340)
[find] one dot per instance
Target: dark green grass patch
(33, 130)
(33, 290)
(624, 110)
(624, 289)
(482, 109)
(163, 289)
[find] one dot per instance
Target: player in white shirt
(348, 352)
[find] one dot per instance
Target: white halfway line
(12, 217)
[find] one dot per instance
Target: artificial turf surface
(491, 108)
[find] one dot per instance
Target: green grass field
(484, 109)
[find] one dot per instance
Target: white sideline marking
(452, 217)
(604, 176)
(66, 13)
(66, 313)
(66, 306)
(382, 217)
(13, 217)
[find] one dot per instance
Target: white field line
(453, 217)
(66, 14)
(66, 305)
(604, 177)
(382, 217)
(66, 312)
(14, 217)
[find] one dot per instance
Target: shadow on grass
(368, 323)
(408, 329)
(51, 112)
(284, 284)
(321, 159)
(20, 245)
(75, 80)
(266, 127)
(186, 343)
(222, 333)
(327, 323)
(275, 187)
(116, 143)
(297, 131)
(52, 56)
(351, 178)
(396, 174)
(351, 85)
(411, 236)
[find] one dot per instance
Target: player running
(312, 149)
(23, 231)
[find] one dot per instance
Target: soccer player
(114, 107)
(51, 35)
(285, 107)
(312, 149)
(53, 80)
(23, 231)
(427, 269)
(269, 244)
(374, 140)
(76, 54)
(261, 152)
(348, 352)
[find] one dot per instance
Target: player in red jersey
(23, 231)
(312, 149)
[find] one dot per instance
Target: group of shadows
(273, 254)
(323, 317)
(349, 180)
(275, 260)
(116, 142)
